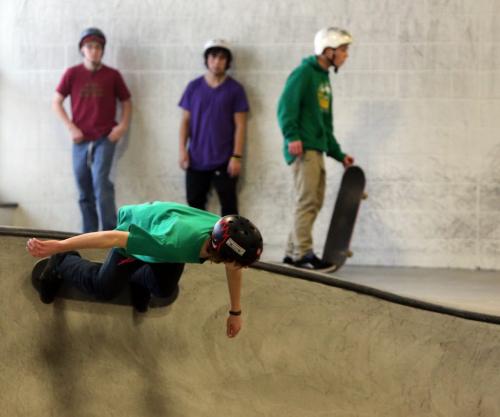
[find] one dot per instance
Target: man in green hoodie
(306, 122)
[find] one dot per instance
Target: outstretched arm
(95, 240)
(234, 275)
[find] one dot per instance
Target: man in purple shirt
(212, 131)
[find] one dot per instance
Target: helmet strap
(332, 62)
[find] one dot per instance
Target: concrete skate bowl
(306, 350)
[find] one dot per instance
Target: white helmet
(330, 38)
(216, 43)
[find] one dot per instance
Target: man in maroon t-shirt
(94, 89)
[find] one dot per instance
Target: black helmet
(235, 238)
(98, 33)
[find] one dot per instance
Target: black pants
(198, 185)
(107, 280)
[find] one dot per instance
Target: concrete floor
(475, 291)
(306, 350)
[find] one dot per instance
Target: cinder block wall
(417, 104)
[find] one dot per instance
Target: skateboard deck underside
(351, 192)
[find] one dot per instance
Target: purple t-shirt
(212, 124)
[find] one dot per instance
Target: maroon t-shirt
(93, 98)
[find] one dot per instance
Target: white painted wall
(417, 104)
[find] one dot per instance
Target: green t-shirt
(165, 232)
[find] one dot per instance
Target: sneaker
(50, 280)
(311, 261)
(288, 260)
(140, 297)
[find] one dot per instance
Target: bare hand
(348, 161)
(234, 167)
(295, 148)
(76, 134)
(233, 325)
(116, 133)
(184, 160)
(42, 248)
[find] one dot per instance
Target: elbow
(120, 239)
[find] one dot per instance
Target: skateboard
(338, 239)
(71, 293)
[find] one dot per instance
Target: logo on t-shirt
(91, 89)
(324, 96)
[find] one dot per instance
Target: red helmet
(235, 238)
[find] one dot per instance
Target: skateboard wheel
(364, 196)
(349, 253)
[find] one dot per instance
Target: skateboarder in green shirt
(149, 248)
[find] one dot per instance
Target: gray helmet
(92, 32)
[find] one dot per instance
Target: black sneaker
(140, 297)
(288, 260)
(50, 279)
(311, 261)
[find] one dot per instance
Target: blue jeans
(104, 281)
(92, 163)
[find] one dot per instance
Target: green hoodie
(305, 110)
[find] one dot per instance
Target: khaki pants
(309, 179)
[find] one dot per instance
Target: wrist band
(235, 313)
(236, 156)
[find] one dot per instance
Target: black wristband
(235, 313)
(236, 156)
